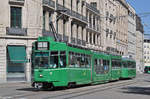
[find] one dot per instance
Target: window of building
(94, 36)
(71, 30)
(86, 36)
(16, 14)
(107, 15)
(82, 33)
(94, 22)
(97, 24)
(82, 7)
(114, 35)
(90, 38)
(90, 20)
(64, 27)
(107, 32)
(44, 19)
(63, 2)
(94, 4)
(71, 4)
(77, 35)
(77, 5)
(16, 62)
(50, 19)
(111, 34)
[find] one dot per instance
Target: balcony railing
(73, 40)
(60, 7)
(79, 16)
(79, 42)
(16, 31)
(49, 3)
(92, 8)
(72, 13)
(20, 2)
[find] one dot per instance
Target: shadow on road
(55, 89)
(136, 90)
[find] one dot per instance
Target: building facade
(122, 27)
(110, 25)
(139, 45)
(75, 21)
(146, 50)
(131, 33)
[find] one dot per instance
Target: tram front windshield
(41, 61)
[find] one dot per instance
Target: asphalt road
(138, 88)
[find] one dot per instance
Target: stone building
(139, 44)
(122, 27)
(110, 25)
(146, 51)
(131, 33)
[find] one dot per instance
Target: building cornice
(123, 3)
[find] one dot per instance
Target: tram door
(16, 62)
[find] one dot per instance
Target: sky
(142, 8)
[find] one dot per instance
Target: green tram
(116, 67)
(147, 69)
(60, 64)
(128, 68)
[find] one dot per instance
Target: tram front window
(41, 61)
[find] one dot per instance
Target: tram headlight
(42, 45)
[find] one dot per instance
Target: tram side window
(54, 59)
(96, 66)
(62, 61)
(129, 65)
(125, 65)
(106, 66)
(133, 64)
(119, 63)
(72, 59)
(82, 61)
(101, 66)
(113, 63)
(78, 60)
(87, 61)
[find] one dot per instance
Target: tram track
(90, 90)
(74, 92)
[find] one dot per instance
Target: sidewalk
(14, 84)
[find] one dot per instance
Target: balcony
(79, 42)
(67, 11)
(17, 2)
(72, 13)
(73, 40)
(79, 16)
(49, 3)
(16, 31)
(47, 33)
(92, 8)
